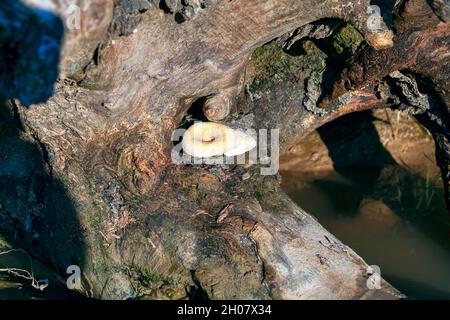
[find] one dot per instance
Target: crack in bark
(198, 292)
(260, 261)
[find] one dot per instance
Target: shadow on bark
(355, 141)
(30, 46)
(37, 213)
(358, 154)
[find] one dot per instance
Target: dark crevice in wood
(195, 112)
(164, 7)
(197, 292)
(179, 18)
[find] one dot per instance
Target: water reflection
(371, 179)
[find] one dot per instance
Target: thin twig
(25, 274)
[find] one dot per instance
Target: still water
(15, 288)
(413, 254)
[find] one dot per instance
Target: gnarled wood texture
(107, 195)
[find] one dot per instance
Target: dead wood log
(104, 192)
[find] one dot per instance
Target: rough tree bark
(90, 179)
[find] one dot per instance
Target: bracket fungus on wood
(209, 139)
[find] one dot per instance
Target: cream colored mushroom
(209, 139)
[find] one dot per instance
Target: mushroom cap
(209, 139)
